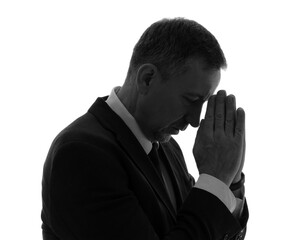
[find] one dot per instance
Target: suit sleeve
(90, 198)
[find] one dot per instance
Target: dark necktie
(154, 156)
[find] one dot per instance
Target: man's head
(175, 67)
(169, 43)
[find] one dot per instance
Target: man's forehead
(197, 81)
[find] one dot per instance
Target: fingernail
(230, 99)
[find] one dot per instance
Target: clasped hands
(219, 148)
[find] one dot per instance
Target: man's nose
(193, 119)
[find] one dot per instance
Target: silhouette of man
(117, 173)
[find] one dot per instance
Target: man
(117, 173)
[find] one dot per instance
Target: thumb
(201, 126)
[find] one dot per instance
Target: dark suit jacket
(98, 183)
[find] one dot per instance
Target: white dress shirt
(205, 182)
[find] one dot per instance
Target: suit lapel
(141, 160)
(132, 147)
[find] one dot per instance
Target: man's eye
(191, 100)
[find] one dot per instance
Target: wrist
(237, 183)
(227, 180)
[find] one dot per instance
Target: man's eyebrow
(193, 97)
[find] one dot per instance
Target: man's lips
(184, 127)
(175, 131)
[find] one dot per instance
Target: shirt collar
(116, 105)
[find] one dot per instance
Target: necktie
(154, 156)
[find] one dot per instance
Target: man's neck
(128, 96)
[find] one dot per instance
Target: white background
(57, 57)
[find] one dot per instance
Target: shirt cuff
(217, 188)
(239, 208)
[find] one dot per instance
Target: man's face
(173, 104)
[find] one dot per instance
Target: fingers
(220, 112)
(230, 115)
(240, 125)
(208, 122)
(200, 129)
(222, 118)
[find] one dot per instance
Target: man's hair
(169, 43)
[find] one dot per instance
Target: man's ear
(146, 76)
